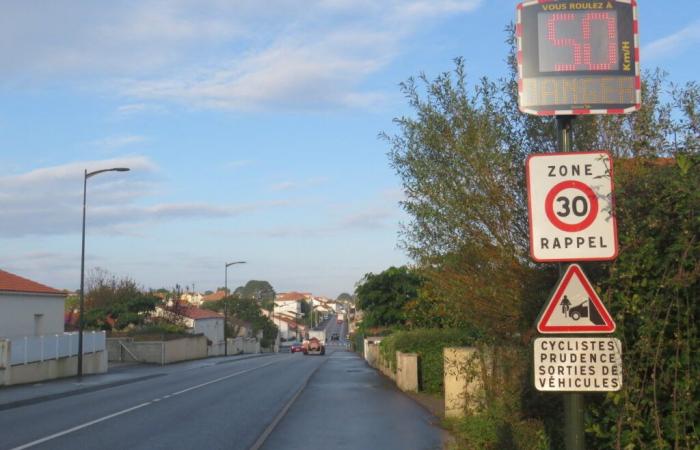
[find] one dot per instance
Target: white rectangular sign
(580, 364)
(570, 207)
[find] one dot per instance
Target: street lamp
(82, 265)
(224, 300)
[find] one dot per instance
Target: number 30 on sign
(570, 207)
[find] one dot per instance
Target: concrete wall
(185, 349)
(213, 329)
(158, 352)
(464, 375)
(243, 345)
(17, 314)
(54, 368)
(371, 350)
(407, 371)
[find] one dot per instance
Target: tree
(345, 297)
(260, 291)
(249, 310)
(461, 160)
(383, 296)
(122, 300)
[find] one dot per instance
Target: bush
(489, 430)
(429, 344)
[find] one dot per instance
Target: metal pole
(81, 320)
(574, 435)
(225, 308)
(82, 285)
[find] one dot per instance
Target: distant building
(193, 298)
(215, 297)
(201, 321)
(290, 302)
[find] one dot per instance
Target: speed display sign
(570, 207)
(578, 57)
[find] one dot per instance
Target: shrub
(428, 344)
(491, 430)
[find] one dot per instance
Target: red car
(296, 347)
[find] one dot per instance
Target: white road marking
(133, 408)
(80, 427)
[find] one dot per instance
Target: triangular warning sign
(575, 307)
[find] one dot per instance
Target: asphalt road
(280, 401)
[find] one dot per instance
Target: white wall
(213, 329)
(290, 306)
(17, 314)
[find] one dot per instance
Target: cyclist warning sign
(575, 307)
(570, 207)
(578, 364)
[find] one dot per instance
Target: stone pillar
(407, 371)
(464, 387)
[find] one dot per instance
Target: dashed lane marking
(134, 408)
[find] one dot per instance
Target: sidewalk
(117, 374)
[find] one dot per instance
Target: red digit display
(578, 57)
(578, 41)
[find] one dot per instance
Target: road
(279, 401)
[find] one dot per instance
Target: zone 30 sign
(578, 57)
(570, 207)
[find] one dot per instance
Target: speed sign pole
(574, 435)
(574, 58)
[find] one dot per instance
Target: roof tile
(10, 282)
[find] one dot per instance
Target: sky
(250, 128)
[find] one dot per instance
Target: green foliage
(249, 310)
(429, 344)
(461, 158)
(382, 296)
(119, 299)
(489, 430)
(652, 290)
(261, 291)
(345, 297)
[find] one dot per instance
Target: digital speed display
(578, 57)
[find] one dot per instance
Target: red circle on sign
(590, 195)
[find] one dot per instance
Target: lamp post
(224, 300)
(82, 265)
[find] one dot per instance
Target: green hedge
(429, 344)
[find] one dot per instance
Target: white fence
(28, 349)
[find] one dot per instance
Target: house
(289, 330)
(193, 298)
(290, 302)
(28, 307)
(200, 321)
(215, 297)
(33, 345)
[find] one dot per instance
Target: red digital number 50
(581, 51)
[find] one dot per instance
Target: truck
(340, 318)
(316, 344)
(319, 334)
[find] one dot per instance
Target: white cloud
(116, 142)
(300, 184)
(48, 201)
(138, 108)
(243, 55)
(673, 44)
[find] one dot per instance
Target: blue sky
(250, 129)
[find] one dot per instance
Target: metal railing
(29, 349)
